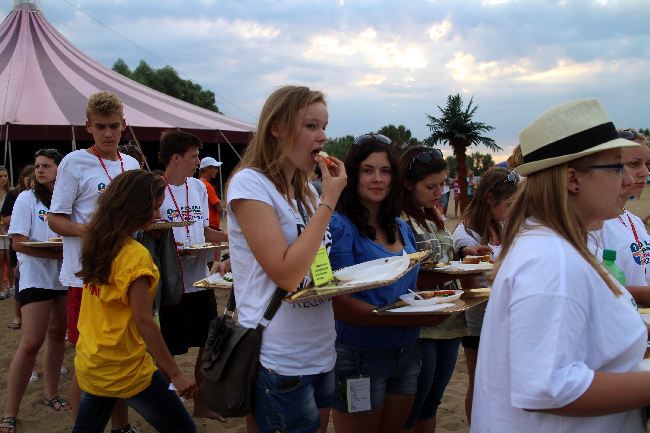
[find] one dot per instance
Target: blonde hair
(268, 154)
(516, 159)
(104, 103)
(544, 196)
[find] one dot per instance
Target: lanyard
(101, 161)
(187, 203)
(636, 238)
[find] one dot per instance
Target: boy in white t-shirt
(186, 199)
(82, 176)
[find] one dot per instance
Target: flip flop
(57, 403)
(14, 324)
(8, 423)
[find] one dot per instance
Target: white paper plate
(421, 308)
(374, 270)
(472, 267)
(409, 298)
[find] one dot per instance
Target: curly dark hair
(349, 204)
(412, 171)
(477, 217)
(124, 207)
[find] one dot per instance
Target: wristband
(327, 206)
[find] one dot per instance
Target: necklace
(101, 161)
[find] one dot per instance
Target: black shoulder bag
(231, 359)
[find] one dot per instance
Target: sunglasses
(628, 134)
(372, 138)
(48, 152)
(512, 178)
(618, 168)
(425, 157)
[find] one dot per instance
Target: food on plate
(437, 294)
(227, 277)
(54, 240)
(475, 260)
(327, 158)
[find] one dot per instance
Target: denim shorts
(390, 371)
(289, 404)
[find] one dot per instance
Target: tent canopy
(45, 83)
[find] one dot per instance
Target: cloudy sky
(382, 62)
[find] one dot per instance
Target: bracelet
(327, 206)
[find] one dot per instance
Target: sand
(34, 417)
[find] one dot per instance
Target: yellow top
(111, 357)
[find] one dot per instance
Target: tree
(451, 165)
(338, 147)
(456, 127)
(400, 136)
(167, 81)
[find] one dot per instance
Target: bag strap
(272, 308)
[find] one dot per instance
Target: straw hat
(567, 132)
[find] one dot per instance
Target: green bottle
(609, 261)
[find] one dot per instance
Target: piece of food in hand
(326, 158)
(475, 260)
(437, 294)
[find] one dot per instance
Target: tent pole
(137, 143)
(6, 142)
(220, 171)
(74, 140)
(11, 165)
(229, 144)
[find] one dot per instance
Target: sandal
(8, 424)
(57, 403)
(15, 324)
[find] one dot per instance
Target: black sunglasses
(628, 134)
(372, 138)
(512, 178)
(48, 152)
(425, 157)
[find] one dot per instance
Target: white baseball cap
(209, 161)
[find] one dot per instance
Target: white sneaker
(34, 377)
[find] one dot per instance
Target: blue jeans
(157, 404)
(390, 371)
(438, 363)
(289, 404)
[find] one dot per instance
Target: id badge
(358, 393)
(321, 270)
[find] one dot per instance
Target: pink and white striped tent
(45, 83)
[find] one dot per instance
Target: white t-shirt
(632, 257)
(463, 238)
(300, 338)
(550, 324)
(194, 197)
(29, 218)
(80, 180)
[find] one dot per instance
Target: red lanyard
(636, 238)
(101, 161)
(187, 203)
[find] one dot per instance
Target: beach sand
(34, 417)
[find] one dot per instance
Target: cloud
(438, 31)
(564, 71)
(464, 67)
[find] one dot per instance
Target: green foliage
(400, 136)
(338, 147)
(451, 164)
(167, 81)
(456, 126)
(645, 131)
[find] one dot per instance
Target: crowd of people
(556, 349)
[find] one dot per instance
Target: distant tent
(45, 83)
(502, 164)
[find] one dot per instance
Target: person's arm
(212, 235)
(641, 294)
(609, 393)
(64, 226)
(357, 312)
(46, 253)
(286, 265)
(140, 303)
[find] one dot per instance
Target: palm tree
(456, 127)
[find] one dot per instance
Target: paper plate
(472, 267)
(410, 299)
(379, 269)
